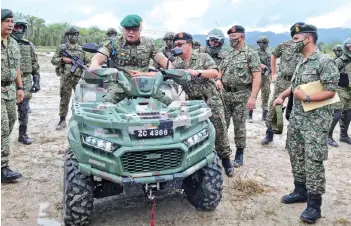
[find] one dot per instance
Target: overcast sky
(193, 16)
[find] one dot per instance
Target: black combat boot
(269, 137)
(346, 118)
(23, 137)
(336, 118)
(313, 211)
(250, 119)
(228, 167)
(62, 124)
(264, 115)
(7, 175)
(298, 195)
(239, 157)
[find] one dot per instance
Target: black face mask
(300, 45)
(338, 53)
(234, 42)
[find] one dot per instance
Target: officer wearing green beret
(203, 69)
(307, 135)
(132, 53)
(11, 87)
(240, 81)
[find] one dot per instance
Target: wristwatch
(19, 88)
(308, 99)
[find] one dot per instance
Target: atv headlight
(99, 143)
(200, 136)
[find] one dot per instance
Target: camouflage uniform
(205, 89)
(29, 69)
(307, 131)
(217, 56)
(265, 58)
(130, 57)
(10, 62)
(345, 98)
(68, 80)
(288, 61)
(237, 69)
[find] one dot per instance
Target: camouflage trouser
(344, 104)
(215, 103)
(8, 119)
(280, 85)
(307, 147)
(265, 91)
(115, 94)
(23, 107)
(237, 111)
(67, 83)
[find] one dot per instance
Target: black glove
(36, 84)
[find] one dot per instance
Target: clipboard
(313, 88)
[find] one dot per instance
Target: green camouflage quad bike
(137, 146)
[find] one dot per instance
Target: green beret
(6, 13)
(131, 21)
(236, 29)
(183, 36)
(299, 28)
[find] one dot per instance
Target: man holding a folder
(308, 126)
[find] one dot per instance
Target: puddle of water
(45, 221)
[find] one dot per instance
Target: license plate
(153, 133)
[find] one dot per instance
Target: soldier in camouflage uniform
(29, 70)
(265, 58)
(197, 45)
(240, 78)
(307, 131)
(214, 44)
(288, 61)
(344, 91)
(10, 78)
(132, 54)
(204, 69)
(68, 80)
(166, 50)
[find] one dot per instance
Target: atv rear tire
(78, 193)
(204, 188)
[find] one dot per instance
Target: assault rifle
(76, 62)
(268, 68)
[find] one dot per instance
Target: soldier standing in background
(265, 58)
(29, 69)
(68, 80)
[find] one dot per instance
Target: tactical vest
(73, 50)
(132, 57)
(26, 57)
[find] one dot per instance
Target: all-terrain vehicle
(138, 146)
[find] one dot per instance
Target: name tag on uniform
(309, 72)
(241, 57)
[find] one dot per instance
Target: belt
(4, 84)
(236, 88)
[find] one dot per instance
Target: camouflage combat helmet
(19, 20)
(347, 47)
(169, 36)
(337, 47)
(262, 39)
(72, 30)
(215, 34)
(111, 31)
(197, 44)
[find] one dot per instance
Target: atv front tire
(204, 188)
(78, 193)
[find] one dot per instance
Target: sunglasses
(214, 40)
(134, 29)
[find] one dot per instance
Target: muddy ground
(251, 197)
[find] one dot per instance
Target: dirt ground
(251, 197)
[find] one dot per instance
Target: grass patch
(245, 186)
